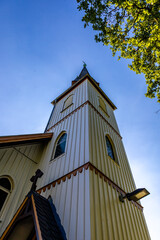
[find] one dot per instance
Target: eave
(24, 139)
(93, 82)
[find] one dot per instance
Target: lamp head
(135, 195)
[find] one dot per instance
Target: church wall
(71, 199)
(79, 97)
(119, 173)
(93, 97)
(112, 219)
(81, 125)
(19, 169)
(89, 208)
(77, 147)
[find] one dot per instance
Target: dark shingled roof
(47, 222)
(82, 73)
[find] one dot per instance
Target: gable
(34, 220)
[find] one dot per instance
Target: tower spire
(82, 73)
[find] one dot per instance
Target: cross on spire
(34, 179)
(84, 64)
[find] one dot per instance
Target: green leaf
(131, 28)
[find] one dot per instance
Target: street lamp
(135, 195)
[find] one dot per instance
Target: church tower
(86, 168)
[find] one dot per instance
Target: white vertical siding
(71, 199)
(86, 130)
(79, 97)
(76, 151)
(88, 207)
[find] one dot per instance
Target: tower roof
(78, 80)
(82, 73)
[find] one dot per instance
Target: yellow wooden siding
(121, 173)
(71, 199)
(93, 97)
(102, 105)
(68, 102)
(19, 169)
(85, 195)
(112, 219)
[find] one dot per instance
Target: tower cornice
(93, 82)
(82, 168)
(75, 110)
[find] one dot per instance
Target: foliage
(132, 28)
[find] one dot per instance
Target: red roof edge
(27, 138)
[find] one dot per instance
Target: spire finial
(84, 64)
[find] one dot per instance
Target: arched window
(110, 149)
(61, 144)
(5, 190)
(102, 105)
(68, 102)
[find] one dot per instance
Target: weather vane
(84, 64)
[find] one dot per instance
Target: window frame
(115, 160)
(102, 109)
(65, 107)
(7, 191)
(53, 158)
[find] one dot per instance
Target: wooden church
(73, 181)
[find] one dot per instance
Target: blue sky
(42, 46)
